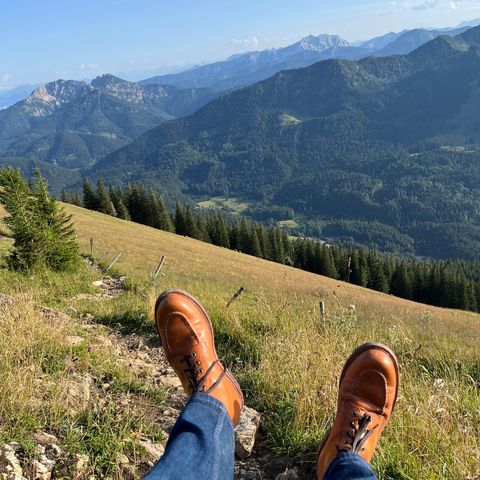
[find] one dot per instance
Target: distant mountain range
(379, 150)
(251, 67)
(73, 124)
(382, 151)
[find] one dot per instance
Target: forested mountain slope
(73, 124)
(382, 150)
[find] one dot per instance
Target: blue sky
(44, 40)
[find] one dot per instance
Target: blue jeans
(202, 447)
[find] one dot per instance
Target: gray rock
(81, 463)
(52, 450)
(153, 451)
(8, 457)
(44, 438)
(171, 382)
(288, 475)
(42, 468)
(122, 459)
(78, 393)
(245, 432)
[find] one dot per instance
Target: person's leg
(201, 444)
(367, 395)
(349, 466)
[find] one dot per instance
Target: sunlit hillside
(286, 356)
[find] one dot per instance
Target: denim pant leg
(349, 466)
(201, 444)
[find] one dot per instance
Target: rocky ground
(143, 355)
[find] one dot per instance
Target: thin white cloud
(250, 42)
(88, 66)
(6, 77)
(455, 4)
(427, 5)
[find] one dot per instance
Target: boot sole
(350, 359)
(164, 295)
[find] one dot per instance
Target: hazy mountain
(14, 95)
(73, 124)
(251, 67)
(381, 150)
(378, 43)
(410, 40)
(469, 23)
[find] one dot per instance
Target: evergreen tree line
(441, 283)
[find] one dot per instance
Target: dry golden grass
(289, 362)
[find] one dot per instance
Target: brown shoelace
(197, 383)
(359, 433)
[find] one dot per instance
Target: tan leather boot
(187, 337)
(367, 395)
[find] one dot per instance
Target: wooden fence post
(323, 311)
(160, 265)
(112, 263)
(91, 246)
(236, 295)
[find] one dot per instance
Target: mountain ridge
(346, 142)
(74, 123)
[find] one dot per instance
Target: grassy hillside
(287, 359)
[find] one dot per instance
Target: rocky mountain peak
(117, 87)
(47, 98)
(322, 42)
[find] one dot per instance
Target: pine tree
(164, 217)
(180, 228)
(191, 227)
(244, 236)
(77, 199)
(104, 203)
(118, 203)
(264, 241)
(222, 232)
(90, 200)
(65, 196)
(278, 252)
(254, 247)
(202, 229)
(43, 233)
(328, 263)
(401, 284)
(234, 236)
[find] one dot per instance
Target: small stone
(42, 468)
(97, 283)
(9, 458)
(81, 462)
(245, 432)
(171, 382)
(74, 340)
(53, 450)
(288, 475)
(251, 475)
(39, 450)
(122, 459)
(78, 393)
(153, 451)
(44, 438)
